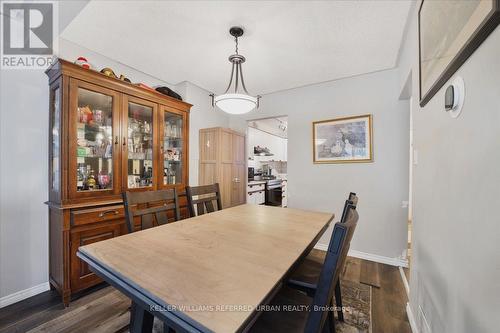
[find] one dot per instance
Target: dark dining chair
(153, 208)
(318, 318)
(353, 199)
(307, 274)
(205, 195)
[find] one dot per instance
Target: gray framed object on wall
(449, 33)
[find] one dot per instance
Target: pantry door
(94, 151)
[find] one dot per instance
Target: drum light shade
(236, 103)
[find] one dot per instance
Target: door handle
(124, 141)
(116, 139)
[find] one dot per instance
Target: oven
(274, 192)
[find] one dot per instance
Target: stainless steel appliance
(251, 173)
(274, 192)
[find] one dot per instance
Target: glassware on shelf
(91, 182)
(94, 138)
(103, 179)
(140, 145)
(172, 152)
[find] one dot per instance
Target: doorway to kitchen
(267, 147)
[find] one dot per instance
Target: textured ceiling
(287, 44)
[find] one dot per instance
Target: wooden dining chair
(318, 318)
(309, 271)
(153, 208)
(206, 196)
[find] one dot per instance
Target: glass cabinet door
(172, 148)
(95, 117)
(139, 143)
(55, 141)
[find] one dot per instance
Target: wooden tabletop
(210, 265)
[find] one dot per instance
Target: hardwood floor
(104, 309)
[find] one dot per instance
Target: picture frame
(343, 140)
(445, 44)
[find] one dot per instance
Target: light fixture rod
(230, 80)
(242, 81)
(236, 81)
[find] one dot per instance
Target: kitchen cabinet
(222, 160)
(256, 198)
(256, 194)
(106, 136)
(284, 191)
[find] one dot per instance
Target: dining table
(210, 273)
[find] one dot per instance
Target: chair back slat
(334, 261)
(151, 207)
(204, 199)
(146, 221)
(353, 201)
(206, 196)
(200, 208)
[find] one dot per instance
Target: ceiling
(276, 126)
(287, 44)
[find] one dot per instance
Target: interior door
(226, 168)
(208, 157)
(139, 137)
(239, 176)
(94, 154)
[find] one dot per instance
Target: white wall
(381, 185)
(455, 270)
(23, 176)
(276, 145)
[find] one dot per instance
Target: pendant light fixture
(236, 99)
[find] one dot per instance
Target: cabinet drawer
(99, 214)
(256, 198)
(256, 187)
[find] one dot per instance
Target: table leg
(141, 321)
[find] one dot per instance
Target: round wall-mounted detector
(454, 97)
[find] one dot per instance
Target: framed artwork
(449, 33)
(343, 140)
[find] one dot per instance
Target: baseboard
(371, 257)
(23, 294)
(405, 281)
(411, 318)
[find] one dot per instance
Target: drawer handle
(113, 211)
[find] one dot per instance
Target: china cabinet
(106, 136)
